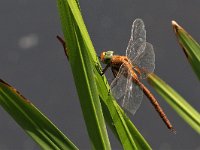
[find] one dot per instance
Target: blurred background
(33, 61)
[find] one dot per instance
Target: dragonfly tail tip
(173, 130)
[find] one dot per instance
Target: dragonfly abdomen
(155, 104)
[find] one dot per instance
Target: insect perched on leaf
(130, 69)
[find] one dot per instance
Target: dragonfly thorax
(106, 57)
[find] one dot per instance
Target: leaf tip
(176, 26)
(178, 30)
(13, 89)
(174, 23)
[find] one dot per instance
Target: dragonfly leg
(114, 71)
(63, 44)
(104, 70)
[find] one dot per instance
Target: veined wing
(133, 96)
(127, 93)
(139, 51)
(118, 85)
(137, 42)
(146, 61)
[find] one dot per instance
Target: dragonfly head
(106, 57)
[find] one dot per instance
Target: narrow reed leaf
(85, 67)
(176, 101)
(190, 47)
(34, 123)
(78, 45)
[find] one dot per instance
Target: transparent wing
(139, 51)
(126, 92)
(146, 60)
(133, 96)
(118, 85)
(137, 41)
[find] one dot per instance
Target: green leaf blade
(190, 47)
(114, 116)
(35, 124)
(78, 46)
(177, 102)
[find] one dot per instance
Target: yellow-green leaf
(34, 123)
(190, 47)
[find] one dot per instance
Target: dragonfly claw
(109, 91)
(102, 73)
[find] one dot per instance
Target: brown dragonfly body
(130, 69)
(115, 64)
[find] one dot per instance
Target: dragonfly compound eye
(108, 56)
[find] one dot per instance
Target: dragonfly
(131, 69)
